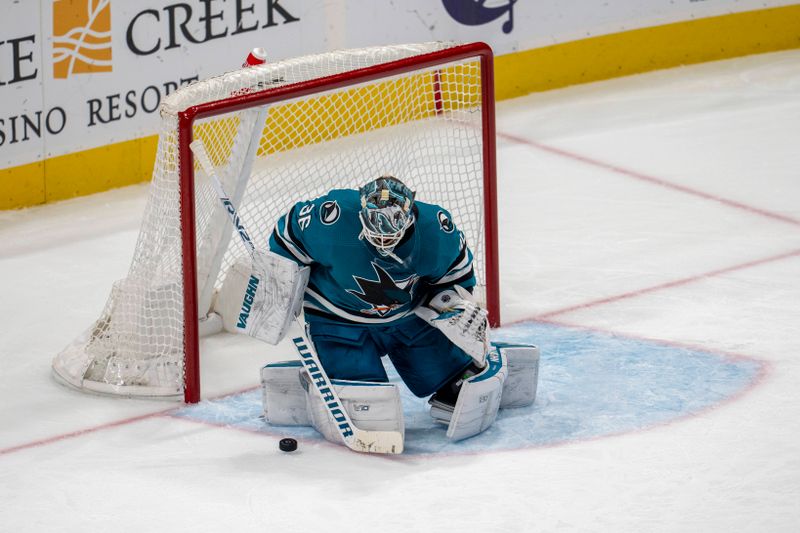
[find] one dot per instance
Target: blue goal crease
(591, 384)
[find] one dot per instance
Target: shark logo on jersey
(384, 294)
(329, 212)
(445, 222)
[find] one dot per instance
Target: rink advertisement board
(80, 74)
(81, 81)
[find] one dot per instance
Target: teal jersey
(350, 280)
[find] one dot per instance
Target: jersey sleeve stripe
(466, 281)
(290, 234)
(288, 238)
(458, 263)
(458, 268)
(451, 276)
(289, 248)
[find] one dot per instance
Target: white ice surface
(663, 206)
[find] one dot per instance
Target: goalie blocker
(261, 297)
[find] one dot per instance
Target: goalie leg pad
(519, 389)
(261, 296)
(283, 394)
(371, 406)
(478, 400)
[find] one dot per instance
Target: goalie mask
(385, 212)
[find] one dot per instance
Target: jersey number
(304, 217)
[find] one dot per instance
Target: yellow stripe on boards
(99, 169)
(541, 69)
(22, 186)
(364, 108)
(78, 173)
(350, 112)
(647, 49)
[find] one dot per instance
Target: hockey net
(276, 134)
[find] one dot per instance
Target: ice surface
(650, 243)
(592, 384)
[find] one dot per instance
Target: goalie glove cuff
(463, 321)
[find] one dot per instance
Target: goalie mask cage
(276, 134)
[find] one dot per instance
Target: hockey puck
(287, 445)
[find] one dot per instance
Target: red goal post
(291, 119)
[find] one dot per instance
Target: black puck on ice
(287, 445)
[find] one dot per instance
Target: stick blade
(387, 442)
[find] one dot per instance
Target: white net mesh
(422, 126)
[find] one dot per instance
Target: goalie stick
(354, 438)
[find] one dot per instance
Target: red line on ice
(649, 179)
(78, 433)
(109, 425)
(667, 285)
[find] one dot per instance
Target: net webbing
(423, 126)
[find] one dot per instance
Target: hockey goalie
(377, 274)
